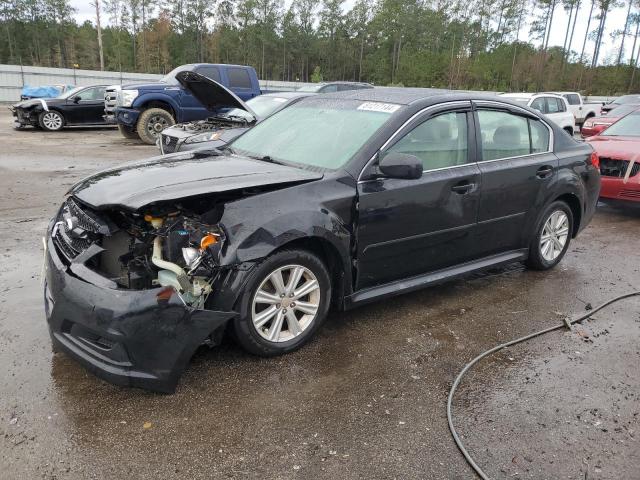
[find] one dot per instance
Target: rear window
(572, 98)
(239, 78)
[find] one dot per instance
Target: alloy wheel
(555, 233)
(286, 303)
(52, 121)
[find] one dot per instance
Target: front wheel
(284, 303)
(51, 121)
(152, 122)
(552, 237)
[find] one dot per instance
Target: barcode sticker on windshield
(379, 107)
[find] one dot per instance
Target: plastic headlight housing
(203, 137)
(125, 98)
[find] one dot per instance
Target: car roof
(400, 96)
(294, 94)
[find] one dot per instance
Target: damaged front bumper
(138, 338)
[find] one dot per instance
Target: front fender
(144, 98)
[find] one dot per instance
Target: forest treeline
(464, 44)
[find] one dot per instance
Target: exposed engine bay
(169, 247)
(214, 123)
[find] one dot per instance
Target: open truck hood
(210, 93)
(181, 176)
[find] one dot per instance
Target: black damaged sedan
(333, 202)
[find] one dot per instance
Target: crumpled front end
(126, 292)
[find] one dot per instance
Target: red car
(595, 125)
(618, 148)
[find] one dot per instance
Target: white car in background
(554, 107)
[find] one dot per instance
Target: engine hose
(567, 324)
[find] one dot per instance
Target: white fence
(14, 77)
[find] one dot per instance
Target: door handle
(463, 187)
(544, 172)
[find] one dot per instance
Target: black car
(623, 100)
(79, 106)
(230, 116)
(337, 200)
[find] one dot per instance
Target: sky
(615, 21)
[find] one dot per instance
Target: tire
(127, 132)
(255, 338)
(544, 255)
(569, 130)
(51, 121)
(152, 122)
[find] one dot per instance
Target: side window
(210, 72)
(538, 104)
(503, 135)
(239, 78)
(90, 94)
(553, 105)
(572, 98)
(439, 142)
(562, 107)
(539, 136)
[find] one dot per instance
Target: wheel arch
(164, 105)
(572, 200)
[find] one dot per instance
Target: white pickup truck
(581, 110)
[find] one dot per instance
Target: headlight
(125, 98)
(203, 137)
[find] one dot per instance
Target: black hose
(456, 383)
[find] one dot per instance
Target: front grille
(168, 143)
(630, 193)
(611, 167)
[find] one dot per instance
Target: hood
(179, 176)
(39, 102)
(623, 148)
(210, 93)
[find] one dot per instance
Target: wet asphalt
(365, 399)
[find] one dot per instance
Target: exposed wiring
(566, 324)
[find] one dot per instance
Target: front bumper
(127, 116)
(617, 189)
(24, 117)
(126, 337)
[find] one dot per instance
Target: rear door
(518, 170)
(410, 227)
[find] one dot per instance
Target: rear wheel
(127, 132)
(152, 122)
(284, 303)
(552, 237)
(51, 121)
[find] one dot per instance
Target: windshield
(171, 76)
(627, 99)
(310, 88)
(622, 110)
(71, 93)
(320, 132)
(265, 105)
(628, 126)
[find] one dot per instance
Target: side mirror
(76, 99)
(401, 165)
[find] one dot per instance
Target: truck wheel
(152, 122)
(51, 121)
(127, 132)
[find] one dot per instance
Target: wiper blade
(265, 158)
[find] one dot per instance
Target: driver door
(88, 108)
(410, 227)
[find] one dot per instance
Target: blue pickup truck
(144, 110)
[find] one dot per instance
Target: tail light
(595, 160)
